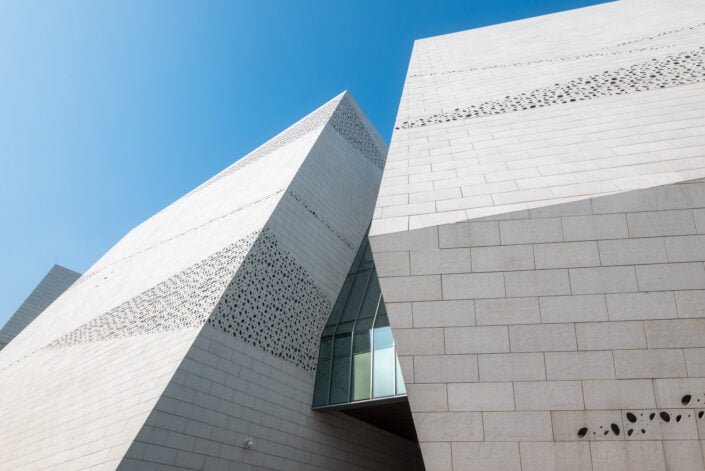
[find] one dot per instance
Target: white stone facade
(199, 330)
(540, 241)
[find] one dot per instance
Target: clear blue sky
(110, 111)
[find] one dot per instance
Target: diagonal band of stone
(684, 68)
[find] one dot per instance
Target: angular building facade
(540, 239)
(55, 282)
(192, 344)
(526, 263)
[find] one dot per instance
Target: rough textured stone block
(610, 335)
(445, 368)
(493, 339)
(425, 262)
(603, 280)
(579, 365)
(637, 306)
(413, 288)
(542, 338)
(548, 395)
(507, 311)
(618, 394)
(549, 456)
(530, 231)
(537, 283)
(577, 308)
(489, 456)
(444, 313)
(567, 255)
(481, 396)
(449, 426)
(502, 258)
(512, 367)
(473, 286)
(517, 426)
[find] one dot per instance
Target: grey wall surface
(517, 332)
(539, 241)
(54, 283)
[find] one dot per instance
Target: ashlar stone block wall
(538, 235)
(565, 337)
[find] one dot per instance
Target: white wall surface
(621, 132)
(80, 381)
(541, 258)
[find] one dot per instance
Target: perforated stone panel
(254, 261)
(339, 112)
(182, 301)
(546, 110)
(347, 122)
(670, 71)
(272, 303)
(539, 241)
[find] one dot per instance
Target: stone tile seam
(179, 235)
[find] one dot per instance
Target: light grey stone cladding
(198, 331)
(54, 283)
(546, 253)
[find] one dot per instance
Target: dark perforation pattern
(346, 121)
(181, 301)
(342, 117)
(273, 304)
(299, 199)
(252, 289)
(647, 423)
(670, 71)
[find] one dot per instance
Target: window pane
(367, 260)
(369, 304)
(340, 302)
(383, 338)
(362, 363)
(383, 372)
(352, 307)
(341, 370)
(320, 394)
(401, 387)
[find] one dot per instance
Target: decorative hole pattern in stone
(341, 115)
(670, 71)
(252, 289)
(299, 199)
(181, 301)
(347, 122)
(648, 423)
(273, 304)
